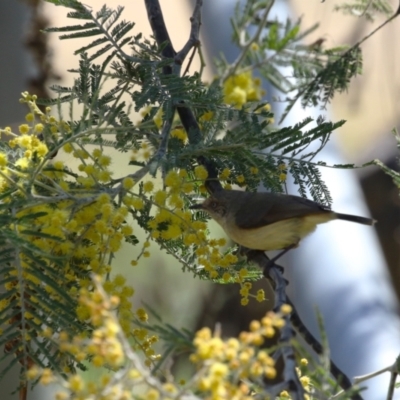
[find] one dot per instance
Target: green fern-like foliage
(35, 263)
(395, 175)
(133, 75)
(61, 225)
(307, 73)
(366, 8)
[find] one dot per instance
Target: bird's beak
(196, 207)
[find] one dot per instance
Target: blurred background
(350, 273)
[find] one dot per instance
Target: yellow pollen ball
(200, 172)
(23, 129)
(39, 128)
(128, 183)
(3, 160)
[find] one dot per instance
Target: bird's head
(214, 207)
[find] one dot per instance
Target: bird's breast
(278, 235)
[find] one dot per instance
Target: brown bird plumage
(269, 221)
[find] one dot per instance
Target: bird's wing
(264, 210)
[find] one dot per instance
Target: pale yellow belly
(279, 235)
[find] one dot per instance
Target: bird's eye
(214, 205)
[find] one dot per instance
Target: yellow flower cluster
(246, 287)
(106, 346)
(207, 116)
(103, 346)
(68, 221)
(304, 379)
(94, 165)
(74, 216)
(282, 171)
(144, 343)
(172, 221)
(158, 117)
(32, 146)
(86, 237)
(144, 153)
(224, 365)
(240, 180)
(242, 88)
(180, 134)
(27, 143)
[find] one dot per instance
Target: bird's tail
(355, 218)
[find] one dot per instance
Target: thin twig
(393, 376)
(366, 8)
(202, 61)
(247, 45)
(190, 61)
(193, 40)
(162, 149)
(393, 369)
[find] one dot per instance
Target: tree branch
(273, 273)
(186, 115)
(339, 375)
(160, 32)
(193, 40)
(159, 28)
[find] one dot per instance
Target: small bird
(269, 221)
